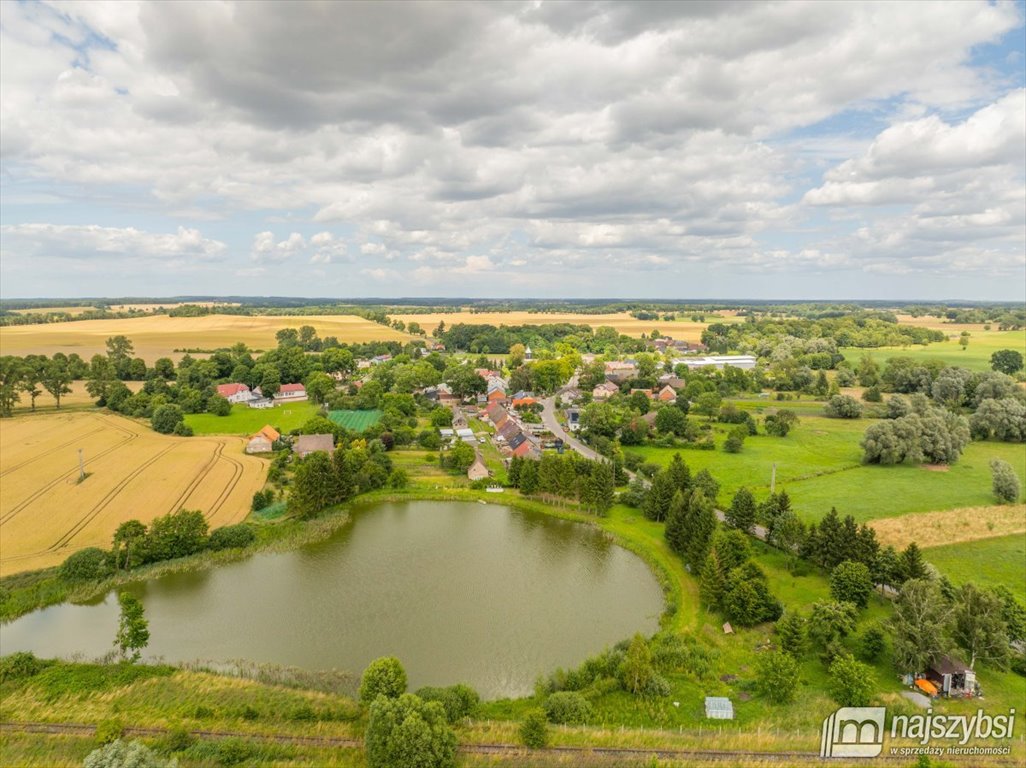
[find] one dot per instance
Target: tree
(102, 376)
(850, 582)
(735, 439)
(671, 420)
(130, 536)
(1007, 361)
(57, 378)
(746, 597)
(407, 732)
(1005, 482)
(741, 514)
(320, 386)
(314, 485)
(603, 487)
(777, 676)
(219, 406)
(383, 677)
(700, 525)
(781, 422)
(919, 625)
(660, 494)
(710, 588)
(851, 682)
(177, 534)
(871, 643)
(911, 564)
(31, 373)
(676, 531)
(829, 622)
(1003, 419)
(534, 729)
(166, 417)
(793, 631)
(133, 630)
(707, 404)
(636, 670)
(460, 456)
(85, 565)
(979, 627)
(843, 407)
(10, 377)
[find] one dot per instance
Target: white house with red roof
(290, 392)
(235, 393)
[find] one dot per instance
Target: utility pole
(81, 466)
(773, 478)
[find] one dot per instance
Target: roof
(949, 665)
(291, 388)
(311, 443)
(269, 432)
(478, 468)
(227, 390)
(608, 386)
(508, 430)
(518, 401)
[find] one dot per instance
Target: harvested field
(78, 398)
(629, 326)
(157, 336)
(132, 472)
(935, 529)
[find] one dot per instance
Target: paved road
(549, 420)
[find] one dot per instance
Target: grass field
(621, 321)
(244, 420)
(77, 399)
(994, 562)
(132, 472)
(819, 464)
(976, 357)
(158, 335)
(357, 421)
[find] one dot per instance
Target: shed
(719, 708)
(259, 444)
(307, 444)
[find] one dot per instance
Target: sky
(784, 150)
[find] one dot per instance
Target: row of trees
(321, 480)
(592, 484)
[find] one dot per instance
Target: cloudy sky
(578, 149)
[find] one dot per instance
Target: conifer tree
(741, 514)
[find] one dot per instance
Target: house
(508, 430)
(497, 396)
(604, 391)
(667, 395)
(570, 395)
(496, 382)
(526, 448)
(621, 370)
(235, 393)
(744, 362)
(270, 433)
(496, 414)
(307, 444)
(952, 677)
(478, 470)
(573, 419)
(646, 392)
(378, 359)
(519, 402)
(291, 392)
(528, 354)
(261, 402)
(445, 395)
(259, 443)
(669, 380)
(486, 373)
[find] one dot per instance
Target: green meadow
(994, 562)
(982, 344)
(244, 420)
(356, 421)
(820, 465)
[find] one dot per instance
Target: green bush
(777, 676)
(459, 700)
(232, 537)
(534, 729)
(85, 565)
(20, 665)
(233, 751)
(178, 740)
(108, 731)
(407, 732)
(125, 754)
(568, 708)
(385, 677)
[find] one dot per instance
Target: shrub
(178, 740)
(777, 676)
(233, 751)
(383, 677)
(262, 499)
(232, 537)
(534, 729)
(166, 417)
(109, 731)
(183, 430)
(568, 708)
(20, 665)
(735, 439)
(851, 681)
(1005, 481)
(408, 732)
(871, 643)
(851, 582)
(303, 713)
(843, 407)
(85, 565)
(219, 406)
(458, 701)
(125, 754)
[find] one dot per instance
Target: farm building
(263, 441)
(744, 362)
(478, 470)
(261, 402)
(291, 392)
(307, 444)
(952, 677)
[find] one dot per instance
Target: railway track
(580, 755)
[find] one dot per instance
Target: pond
(459, 592)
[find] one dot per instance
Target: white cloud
(85, 242)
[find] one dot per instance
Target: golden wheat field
(76, 399)
(685, 329)
(132, 472)
(159, 335)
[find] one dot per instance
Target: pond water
(459, 592)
